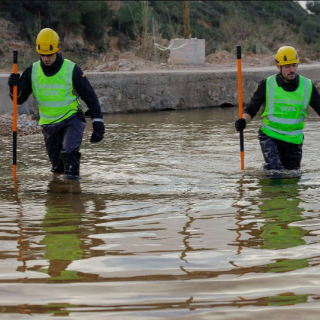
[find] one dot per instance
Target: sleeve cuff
(97, 120)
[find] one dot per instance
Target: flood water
(162, 225)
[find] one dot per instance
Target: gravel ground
(25, 125)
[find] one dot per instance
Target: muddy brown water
(162, 225)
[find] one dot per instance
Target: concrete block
(187, 51)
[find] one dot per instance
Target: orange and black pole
(14, 114)
(240, 105)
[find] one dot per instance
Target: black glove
(240, 124)
(14, 79)
(98, 131)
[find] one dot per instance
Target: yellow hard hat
(47, 41)
(286, 55)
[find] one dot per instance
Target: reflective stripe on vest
(290, 133)
(58, 100)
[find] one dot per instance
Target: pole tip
(238, 52)
(15, 56)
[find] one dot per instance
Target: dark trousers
(279, 154)
(63, 141)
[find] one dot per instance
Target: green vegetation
(259, 26)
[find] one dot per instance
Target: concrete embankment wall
(121, 92)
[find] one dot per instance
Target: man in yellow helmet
(56, 84)
(286, 96)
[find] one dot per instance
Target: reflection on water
(162, 225)
(61, 242)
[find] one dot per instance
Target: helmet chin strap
(281, 73)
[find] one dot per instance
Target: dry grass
(255, 38)
(259, 38)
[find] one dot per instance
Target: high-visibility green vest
(283, 117)
(54, 94)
